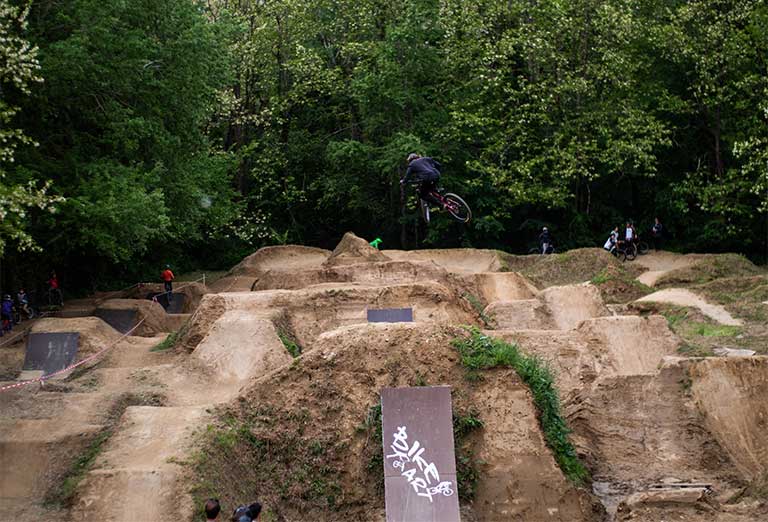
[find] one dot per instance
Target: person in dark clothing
(247, 513)
(545, 241)
(212, 509)
(426, 171)
(657, 232)
(6, 314)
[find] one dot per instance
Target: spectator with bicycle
(22, 300)
(545, 241)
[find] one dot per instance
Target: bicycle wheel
(534, 250)
(424, 207)
(642, 248)
(630, 252)
(457, 208)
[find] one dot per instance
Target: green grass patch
(290, 344)
(481, 352)
(64, 493)
(167, 343)
(478, 306)
(715, 330)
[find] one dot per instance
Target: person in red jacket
(55, 296)
(168, 278)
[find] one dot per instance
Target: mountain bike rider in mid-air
(425, 171)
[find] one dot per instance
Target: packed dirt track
(267, 385)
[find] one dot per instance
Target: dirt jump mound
(318, 416)
(288, 258)
(124, 314)
(95, 334)
(352, 249)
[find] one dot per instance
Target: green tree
(19, 69)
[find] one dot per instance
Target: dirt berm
(150, 314)
(308, 419)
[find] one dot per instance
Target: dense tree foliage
(195, 132)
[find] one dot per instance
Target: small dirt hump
(731, 393)
(523, 314)
(95, 334)
(502, 286)
(702, 268)
(240, 347)
(369, 274)
(127, 313)
(288, 258)
(684, 297)
(318, 415)
(455, 260)
(571, 304)
(193, 293)
(352, 249)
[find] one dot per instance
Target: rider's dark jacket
(422, 169)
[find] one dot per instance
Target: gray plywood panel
(390, 315)
(419, 461)
(51, 352)
(120, 320)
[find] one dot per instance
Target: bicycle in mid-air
(451, 203)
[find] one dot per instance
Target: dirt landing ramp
(95, 334)
(373, 274)
(240, 347)
(288, 258)
(124, 314)
(456, 260)
(26, 450)
(555, 308)
(683, 297)
(733, 396)
(502, 286)
(136, 466)
(50, 352)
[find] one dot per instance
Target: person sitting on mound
(247, 514)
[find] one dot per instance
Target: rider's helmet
(6, 297)
(544, 229)
(413, 156)
(168, 266)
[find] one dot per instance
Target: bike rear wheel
(642, 248)
(630, 252)
(457, 208)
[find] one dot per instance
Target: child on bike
(23, 301)
(426, 171)
(610, 244)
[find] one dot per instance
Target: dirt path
(660, 263)
(683, 297)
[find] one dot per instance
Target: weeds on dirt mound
(292, 346)
(246, 456)
(481, 352)
(479, 308)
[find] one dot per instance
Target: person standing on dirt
(426, 171)
(55, 297)
(212, 509)
(6, 314)
(168, 278)
(545, 240)
(629, 233)
(657, 232)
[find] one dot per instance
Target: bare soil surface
(683, 297)
(666, 436)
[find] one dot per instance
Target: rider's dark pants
(425, 192)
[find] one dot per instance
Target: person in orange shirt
(168, 278)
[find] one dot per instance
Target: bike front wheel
(457, 208)
(424, 207)
(642, 248)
